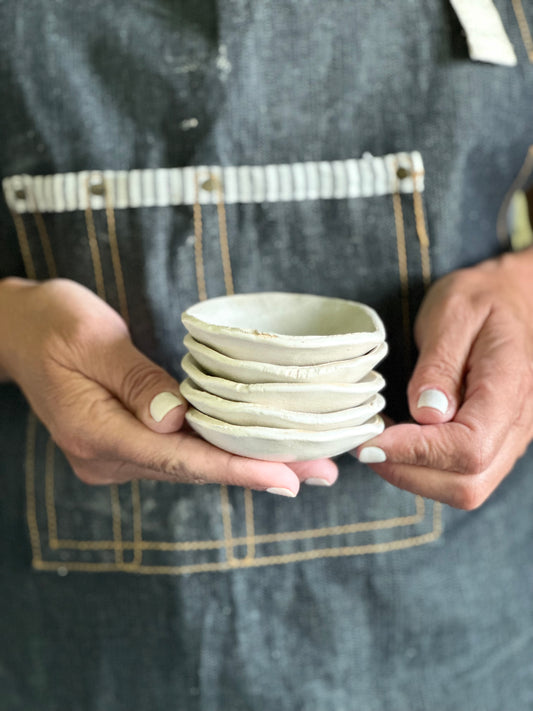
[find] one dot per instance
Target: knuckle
(139, 378)
(477, 456)
(441, 368)
(87, 474)
(75, 444)
(469, 495)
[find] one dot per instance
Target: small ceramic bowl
(281, 445)
(302, 397)
(249, 414)
(250, 371)
(285, 329)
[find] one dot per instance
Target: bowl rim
(280, 433)
(311, 341)
(379, 349)
(372, 382)
(299, 416)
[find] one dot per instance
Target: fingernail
(281, 492)
(316, 481)
(435, 399)
(372, 455)
(163, 403)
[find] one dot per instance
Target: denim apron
(161, 153)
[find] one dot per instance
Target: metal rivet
(97, 187)
(210, 184)
(20, 194)
(403, 173)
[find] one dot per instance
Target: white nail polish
(163, 403)
(316, 481)
(435, 399)
(281, 492)
(372, 455)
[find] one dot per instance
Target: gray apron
(159, 153)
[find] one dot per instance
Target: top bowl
(285, 329)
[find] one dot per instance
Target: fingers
(445, 330)
(145, 389)
(467, 492)
(116, 436)
(318, 472)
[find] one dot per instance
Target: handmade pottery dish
(285, 329)
(281, 445)
(250, 414)
(303, 397)
(251, 371)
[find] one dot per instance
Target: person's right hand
(115, 414)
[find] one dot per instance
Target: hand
(472, 389)
(116, 415)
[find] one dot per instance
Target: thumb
(444, 341)
(145, 389)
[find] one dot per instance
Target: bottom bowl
(281, 445)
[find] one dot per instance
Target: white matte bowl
(302, 397)
(285, 329)
(250, 371)
(281, 445)
(249, 414)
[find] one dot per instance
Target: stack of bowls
(283, 377)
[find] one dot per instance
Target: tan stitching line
(303, 534)
(251, 538)
(115, 258)
(404, 276)
(123, 307)
(524, 27)
(31, 501)
(425, 247)
(95, 251)
(421, 231)
(137, 522)
(45, 243)
(223, 239)
(314, 554)
(230, 289)
(198, 247)
(117, 523)
(24, 246)
(49, 485)
(202, 295)
(518, 182)
(100, 289)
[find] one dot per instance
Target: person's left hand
(471, 392)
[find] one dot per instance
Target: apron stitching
(303, 534)
(24, 246)
(95, 252)
(315, 554)
(404, 276)
(49, 485)
(123, 306)
(198, 246)
(100, 287)
(202, 295)
(230, 289)
(524, 28)
(31, 501)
